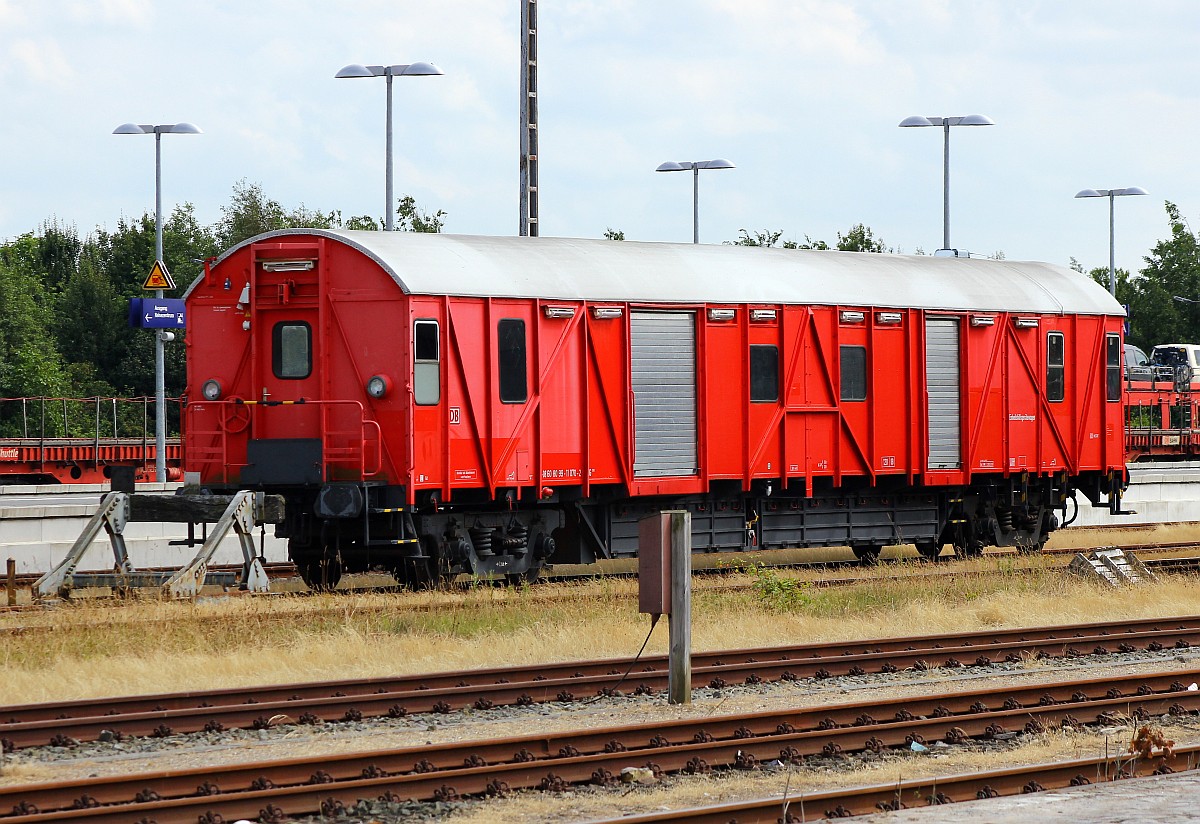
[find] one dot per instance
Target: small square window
(854, 373)
(291, 350)
(514, 385)
(764, 373)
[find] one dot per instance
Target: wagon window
(854, 373)
(1112, 369)
(291, 350)
(1055, 371)
(514, 387)
(427, 371)
(764, 373)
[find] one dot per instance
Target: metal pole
(679, 655)
(388, 210)
(12, 582)
(946, 186)
(695, 204)
(1112, 265)
(160, 382)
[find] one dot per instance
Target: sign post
(665, 588)
(158, 280)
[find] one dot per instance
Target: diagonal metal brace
(112, 516)
(240, 517)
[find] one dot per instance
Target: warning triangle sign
(159, 277)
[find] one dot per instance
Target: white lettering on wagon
(1020, 416)
(9, 454)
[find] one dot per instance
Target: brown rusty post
(679, 657)
(11, 584)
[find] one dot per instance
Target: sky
(803, 96)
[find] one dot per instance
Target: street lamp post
(160, 380)
(402, 70)
(946, 123)
(1112, 195)
(695, 166)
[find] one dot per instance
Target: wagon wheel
(319, 567)
(929, 550)
(237, 419)
(867, 554)
(968, 549)
(527, 577)
(423, 573)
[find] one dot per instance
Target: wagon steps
(240, 512)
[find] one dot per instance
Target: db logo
(455, 416)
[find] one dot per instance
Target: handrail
(59, 417)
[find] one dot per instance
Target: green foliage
(613, 234)
(859, 238)
(410, 218)
(764, 238)
(251, 213)
(776, 592)
(63, 304)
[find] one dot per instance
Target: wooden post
(11, 584)
(679, 656)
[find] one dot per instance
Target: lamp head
(354, 70)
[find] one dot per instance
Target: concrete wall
(39, 536)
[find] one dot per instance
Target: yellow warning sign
(159, 277)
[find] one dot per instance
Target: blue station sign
(156, 313)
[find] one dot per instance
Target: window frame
(1113, 374)
(756, 381)
(843, 371)
(1056, 373)
(511, 374)
(426, 378)
(277, 347)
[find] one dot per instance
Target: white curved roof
(606, 270)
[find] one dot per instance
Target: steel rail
(942, 789)
(255, 707)
(554, 760)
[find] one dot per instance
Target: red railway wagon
(432, 404)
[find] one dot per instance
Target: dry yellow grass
(91, 650)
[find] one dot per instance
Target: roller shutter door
(663, 362)
(943, 393)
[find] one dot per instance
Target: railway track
(943, 789)
(65, 722)
(329, 783)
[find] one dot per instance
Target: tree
(1172, 268)
(613, 234)
(412, 219)
(860, 238)
(765, 238)
(251, 213)
(30, 364)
